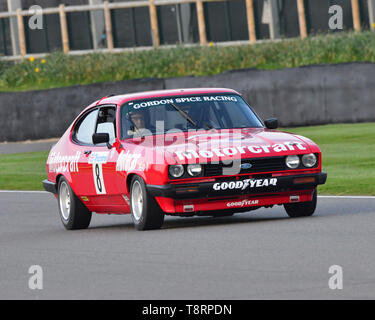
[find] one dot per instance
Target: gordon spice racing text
(179, 152)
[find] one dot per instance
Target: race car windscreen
(206, 112)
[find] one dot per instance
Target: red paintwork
(177, 206)
(152, 162)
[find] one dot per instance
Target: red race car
(181, 153)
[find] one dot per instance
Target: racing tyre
(74, 215)
(303, 209)
(145, 211)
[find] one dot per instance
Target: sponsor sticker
(63, 163)
(153, 103)
(238, 150)
(245, 184)
(243, 203)
(128, 161)
(98, 157)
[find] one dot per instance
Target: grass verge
(59, 70)
(348, 152)
(23, 171)
(348, 158)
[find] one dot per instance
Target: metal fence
(246, 19)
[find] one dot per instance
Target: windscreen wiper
(185, 115)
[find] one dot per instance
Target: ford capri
(179, 152)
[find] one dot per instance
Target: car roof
(121, 99)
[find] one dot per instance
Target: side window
(86, 128)
(107, 122)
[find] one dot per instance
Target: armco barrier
(311, 95)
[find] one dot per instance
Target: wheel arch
(129, 179)
(68, 177)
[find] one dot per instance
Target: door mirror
(98, 138)
(272, 123)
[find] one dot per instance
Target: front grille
(257, 165)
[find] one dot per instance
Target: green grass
(348, 152)
(61, 70)
(23, 171)
(348, 158)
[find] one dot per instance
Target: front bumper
(218, 188)
(49, 186)
(209, 198)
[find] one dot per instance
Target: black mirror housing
(98, 138)
(272, 123)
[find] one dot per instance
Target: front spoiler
(206, 189)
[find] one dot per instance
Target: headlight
(194, 169)
(176, 171)
(309, 160)
(292, 162)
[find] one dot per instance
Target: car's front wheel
(145, 211)
(303, 209)
(74, 215)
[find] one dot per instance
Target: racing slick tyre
(145, 211)
(74, 215)
(303, 209)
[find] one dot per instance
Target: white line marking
(347, 197)
(22, 191)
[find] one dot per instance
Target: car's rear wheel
(145, 211)
(73, 213)
(303, 209)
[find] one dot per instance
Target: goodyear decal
(245, 184)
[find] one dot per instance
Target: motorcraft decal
(63, 163)
(232, 151)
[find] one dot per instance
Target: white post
(97, 24)
(270, 16)
(185, 22)
(371, 10)
(13, 5)
(275, 20)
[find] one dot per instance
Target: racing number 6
(98, 178)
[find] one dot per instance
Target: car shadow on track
(194, 222)
(215, 221)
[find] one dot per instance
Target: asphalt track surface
(26, 146)
(257, 255)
